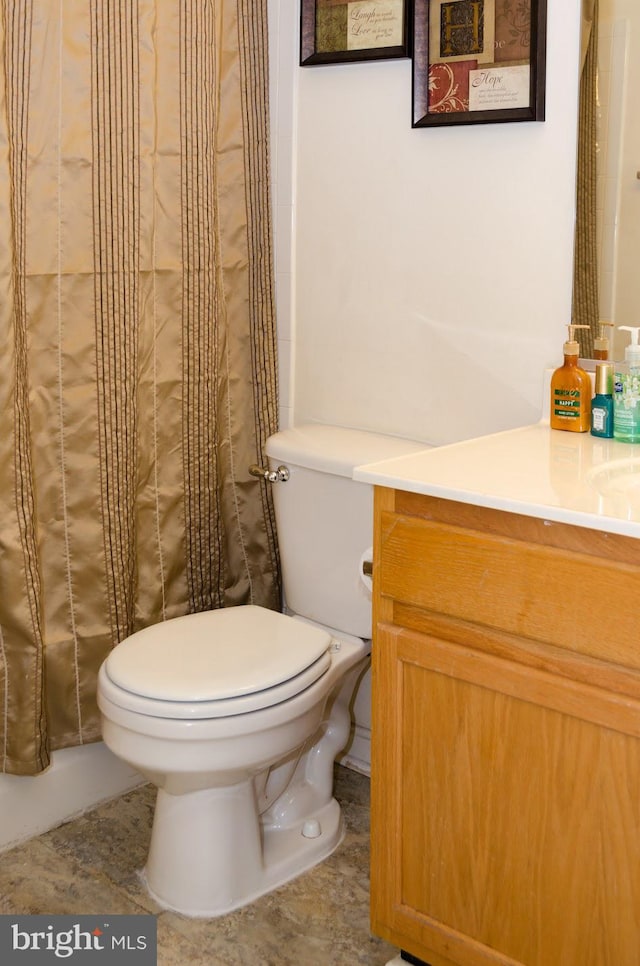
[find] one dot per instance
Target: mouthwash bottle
(602, 402)
(626, 396)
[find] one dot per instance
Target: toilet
(237, 715)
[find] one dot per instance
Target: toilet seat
(215, 664)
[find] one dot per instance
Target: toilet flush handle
(281, 475)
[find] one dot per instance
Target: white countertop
(573, 478)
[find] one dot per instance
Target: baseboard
(77, 780)
(357, 755)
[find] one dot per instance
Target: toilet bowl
(215, 844)
(237, 715)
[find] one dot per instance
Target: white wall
(424, 276)
(77, 779)
(283, 74)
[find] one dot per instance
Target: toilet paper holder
(366, 569)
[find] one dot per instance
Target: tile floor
(90, 866)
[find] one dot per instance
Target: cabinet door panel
(513, 827)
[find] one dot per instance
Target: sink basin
(617, 485)
(617, 477)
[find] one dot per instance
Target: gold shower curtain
(586, 309)
(137, 351)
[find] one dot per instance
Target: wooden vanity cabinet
(506, 738)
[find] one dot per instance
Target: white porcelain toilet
(237, 715)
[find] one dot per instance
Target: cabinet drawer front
(574, 601)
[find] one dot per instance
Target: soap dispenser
(571, 390)
(601, 343)
(626, 396)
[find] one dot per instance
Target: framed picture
(478, 61)
(345, 31)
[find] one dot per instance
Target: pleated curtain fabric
(138, 376)
(586, 310)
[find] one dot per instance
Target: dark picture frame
(478, 61)
(348, 31)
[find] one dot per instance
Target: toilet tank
(324, 520)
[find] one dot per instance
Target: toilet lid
(219, 656)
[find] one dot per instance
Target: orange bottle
(571, 390)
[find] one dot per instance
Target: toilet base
(216, 849)
(208, 875)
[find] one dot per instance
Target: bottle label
(626, 403)
(599, 419)
(566, 403)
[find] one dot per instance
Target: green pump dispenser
(626, 396)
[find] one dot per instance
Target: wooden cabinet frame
(506, 738)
